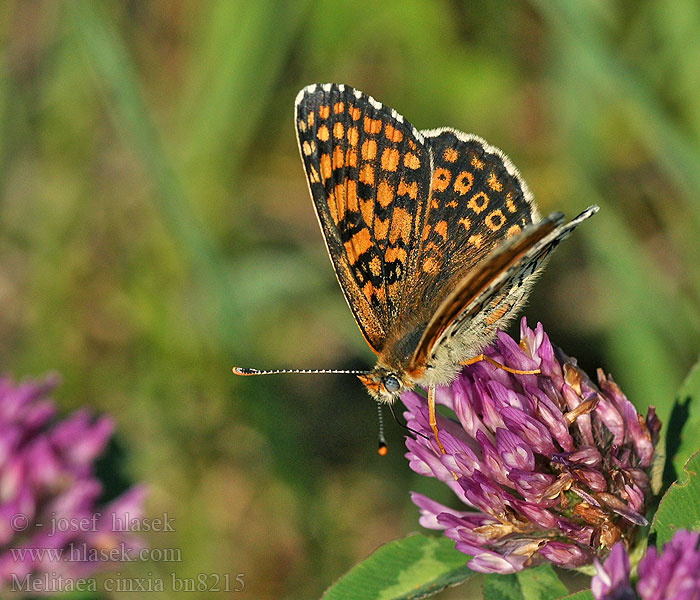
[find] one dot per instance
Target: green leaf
(679, 508)
(683, 426)
(416, 566)
(502, 587)
(538, 583)
(233, 76)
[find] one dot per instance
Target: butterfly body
(433, 235)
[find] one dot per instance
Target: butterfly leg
(498, 365)
(432, 421)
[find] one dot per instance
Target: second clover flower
(552, 467)
(672, 574)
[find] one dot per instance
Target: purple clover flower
(550, 466)
(673, 574)
(51, 527)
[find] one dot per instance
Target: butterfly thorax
(386, 382)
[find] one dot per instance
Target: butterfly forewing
(369, 175)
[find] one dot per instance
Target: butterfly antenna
(248, 372)
(400, 424)
(381, 448)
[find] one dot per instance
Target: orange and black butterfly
(434, 237)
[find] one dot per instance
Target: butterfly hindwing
(477, 199)
(493, 290)
(478, 202)
(369, 175)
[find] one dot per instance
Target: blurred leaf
(601, 67)
(646, 333)
(540, 583)
(116, 74)
(413, 567)
(683, 426)
(537, 583)
(641, 323)
(679, 508)
(502, 587)
(583, 595)
(243, 48)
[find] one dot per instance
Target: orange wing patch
(430, 265)
(411, 161)
(369, 149)
(449, 155)
(385, 194)
(325, 164)
(367, 174)
(381, 231)
(441, 179)
(401, 225)
(495, 220)
(358, 245)
(493, 182)
(513, 230)
(478, 202)
(390, 159)
(497, 314)
(372, 126)
(441, 229)
(410, 190)
(338, 158)
(464, 182)
(392, 134)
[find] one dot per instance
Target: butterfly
(434, 236)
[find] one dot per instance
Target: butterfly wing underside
(496, 285)
(369, 176)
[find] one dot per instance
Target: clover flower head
(550, 467)
(672, 574)
(51, 523)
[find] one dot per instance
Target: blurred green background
(155, 230)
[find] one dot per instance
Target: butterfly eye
(391, 384)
